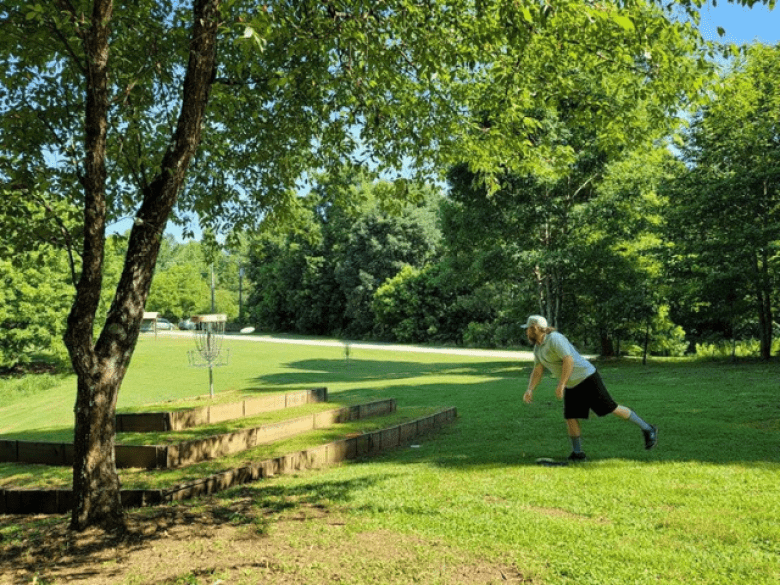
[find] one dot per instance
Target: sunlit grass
(703, 507)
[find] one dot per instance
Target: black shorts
(590, 394)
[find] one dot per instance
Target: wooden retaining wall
(59, 501)
(189, 452)
(161, 422)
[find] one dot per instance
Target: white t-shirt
(551, 352)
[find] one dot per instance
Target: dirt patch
(232, 542)
(566, 514)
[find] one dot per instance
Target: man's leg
(575, 436)
(650, 432)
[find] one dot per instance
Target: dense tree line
(631, 250)
(468, 266)
(321, 276)
(724, 208)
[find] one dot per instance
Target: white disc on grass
(247, 330)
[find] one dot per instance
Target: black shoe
(577, 457)
(651, 437)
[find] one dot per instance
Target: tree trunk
(607, 346)
(101, 366)
(100, 370)
(764, 303)
(95, 480)
(765, 324)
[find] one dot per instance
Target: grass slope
(703, 507)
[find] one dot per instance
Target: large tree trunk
(101, 366)
(100, 371)
(95, 481)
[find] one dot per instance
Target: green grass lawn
(703, 507)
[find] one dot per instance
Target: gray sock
(576, 444)
(638, 421)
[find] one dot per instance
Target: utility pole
(240, 294)
(213, 300)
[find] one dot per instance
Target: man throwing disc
(579, 384)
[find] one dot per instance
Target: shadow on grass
(36, 550)
(275, 498)
(326, 372)
(44, 476)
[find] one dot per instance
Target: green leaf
(624, 22)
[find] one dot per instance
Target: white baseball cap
(537, 320)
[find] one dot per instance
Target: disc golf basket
(209, 334)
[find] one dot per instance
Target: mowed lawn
(703, 507)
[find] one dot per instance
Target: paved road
(518, 355)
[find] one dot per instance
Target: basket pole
(209, 333)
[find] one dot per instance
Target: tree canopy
(321, 277)
(725, 205)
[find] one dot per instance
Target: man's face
(534, 334)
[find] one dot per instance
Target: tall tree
(321, 279)
(727, 204)
(574, 249)
(101, 364)
(619, 275)
(108, 108)
(63, 82)
(530, 206)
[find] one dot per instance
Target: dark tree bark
(101, 366)
(606, 342)
(764, 303)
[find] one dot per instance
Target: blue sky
(743, 25)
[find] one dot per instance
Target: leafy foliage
(582, 250)
(425, 304)
(322, 279)
(34, 304)
(724, 213)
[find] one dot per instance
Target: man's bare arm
(533, 382)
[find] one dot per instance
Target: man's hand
(536, 377)
(560, 390)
